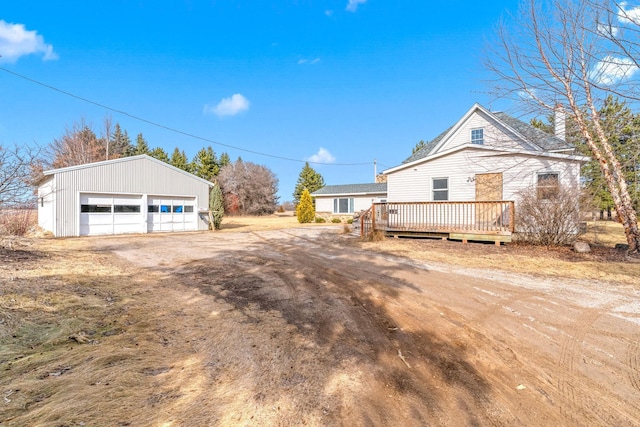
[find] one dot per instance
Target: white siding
(46, 205)
(495, 134)
(413, 184)
(360, 202)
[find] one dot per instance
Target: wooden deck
(483, 221)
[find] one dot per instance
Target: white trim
(350, 194)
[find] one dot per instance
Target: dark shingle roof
(534, 135)
(427, 149)
(378, 187)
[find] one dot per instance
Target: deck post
(373, 217)
(512, 214)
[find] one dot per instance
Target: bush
(17, 222)
(374, 236)
(336, 220)
(305, 210)
(553, 221)
(281, 209)
(350, 221)
(320, 220)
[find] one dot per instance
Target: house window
(477, 136)
(344, 205)
(548, 184)
(440, 189)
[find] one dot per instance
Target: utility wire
(170, 129)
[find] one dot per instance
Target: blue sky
(342, 82)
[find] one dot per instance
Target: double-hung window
(440, 187)
(548, 185)
(343, 205)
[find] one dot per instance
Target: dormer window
(477, 136)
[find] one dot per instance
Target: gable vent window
(477, 136)
(440, 189)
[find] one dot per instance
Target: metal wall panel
(135, 175)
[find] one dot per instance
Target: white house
(350, 198)
(485, 156)
(136, 194)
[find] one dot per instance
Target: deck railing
(491, 217)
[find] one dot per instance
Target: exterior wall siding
(137, 176)
(414, 184)
(360, 202)
(495, 135)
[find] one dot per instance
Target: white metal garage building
(136, 194)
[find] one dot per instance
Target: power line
(170, 129)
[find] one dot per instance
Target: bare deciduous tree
(78, 145)
(15, 175)
(574, 53)
(253, 185)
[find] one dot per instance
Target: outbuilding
(137, 194)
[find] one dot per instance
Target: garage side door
(110, 214)
(171, 214)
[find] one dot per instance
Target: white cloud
(352, 6)
(628, 15)
(16, 41)
(611, 70)
(308, 61)
(607, 31)
(231, 106)
(322, 156)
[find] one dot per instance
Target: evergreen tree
(224, 160)
(310, 180)
(205, 164)
(216, 207)
(418, 146)
(305, 210)
(160, 154)
(179, 160)
(120, 143)
(141, 146)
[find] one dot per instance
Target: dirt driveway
(298, 327)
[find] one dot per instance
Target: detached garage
(136, 194)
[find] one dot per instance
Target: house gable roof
(141, 157)
(530, 138)
(353, 189)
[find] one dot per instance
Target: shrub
(336, 220)
(374, 236)
(346, 229)
(17, 222)
(305, 210)
(350, 221)
(552, 221)
(281, 209)
(320, 220)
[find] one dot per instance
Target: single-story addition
(349, 198)
(137, 194)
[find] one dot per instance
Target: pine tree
(141, 146)
(205, 164)
(224, 160)
(160, 154)
(305, 210)
(216, 207)
(418, 146)
(309, 180)
(179, 160)
(120, 143)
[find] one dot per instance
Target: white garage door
(171, 214)
(109, 214)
